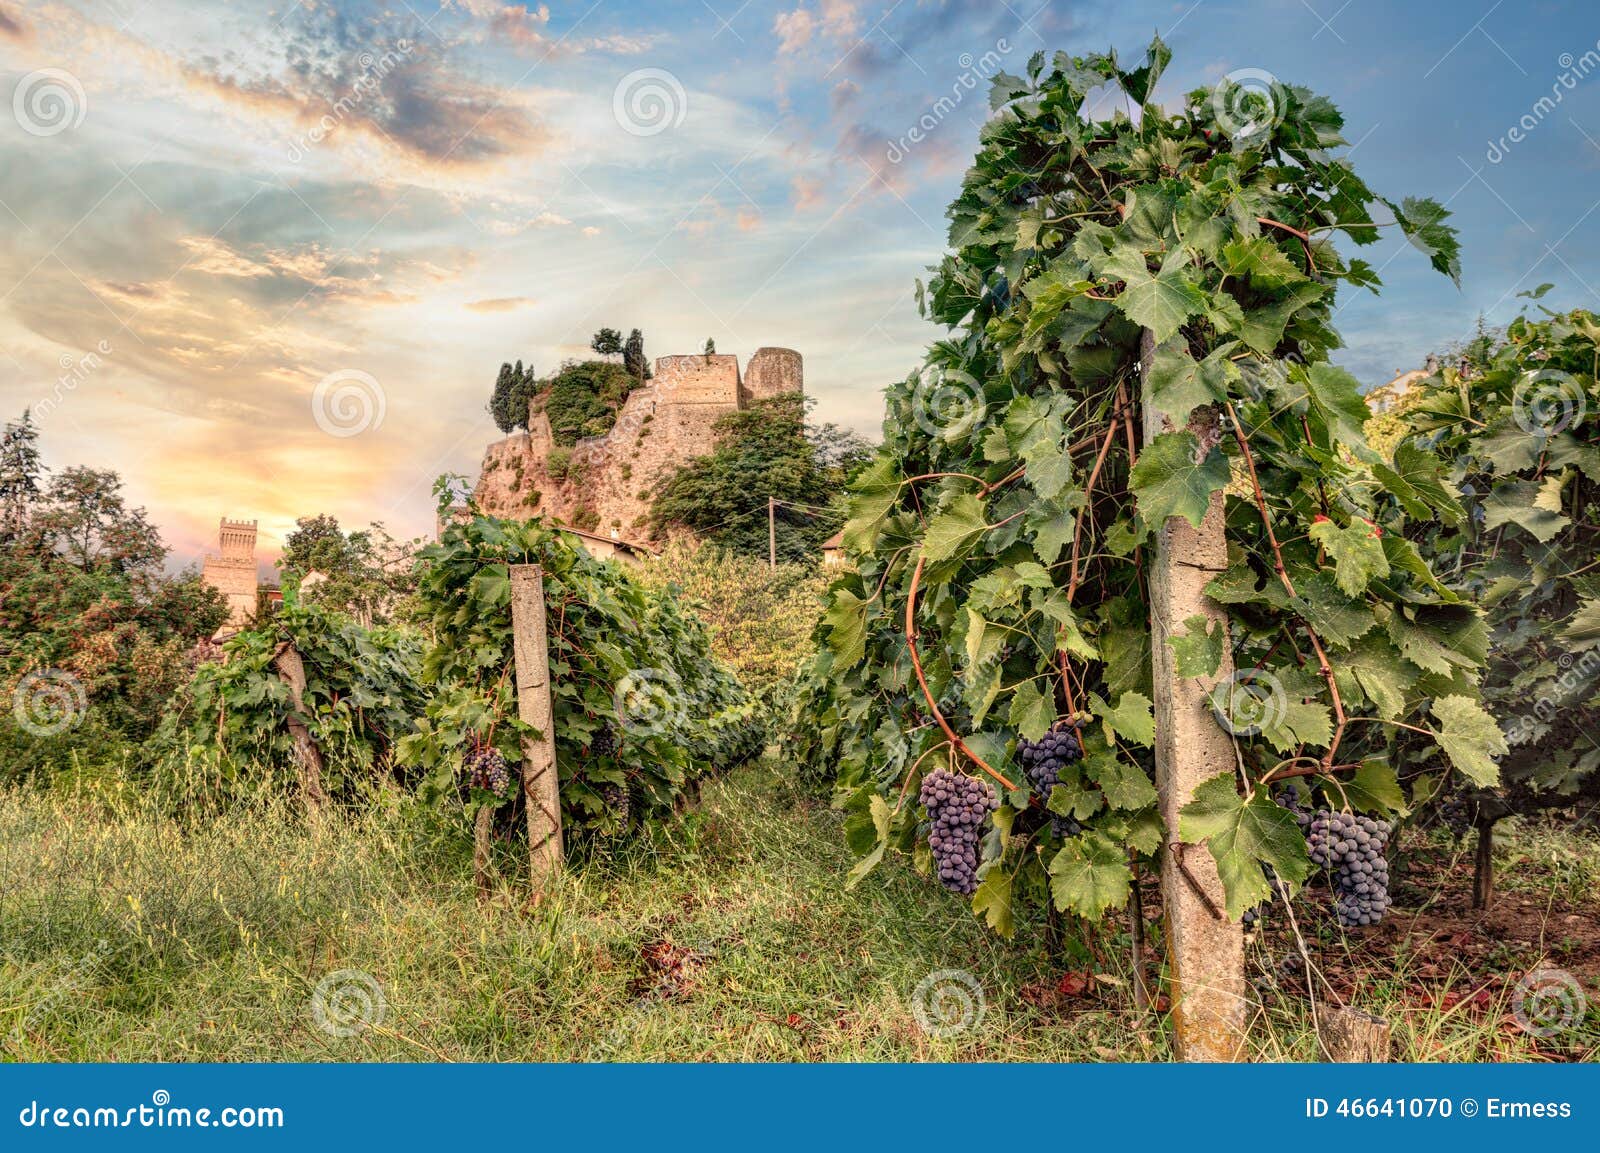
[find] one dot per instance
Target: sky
(265, 260)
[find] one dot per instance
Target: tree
(764, 451)
(500, 403)
(20, 473)
(711, 347)
(365, 573)
(633, 358)
(607, 342)
(83, 516)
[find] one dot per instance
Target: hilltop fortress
(603, 484)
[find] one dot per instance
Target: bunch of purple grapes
(957, 807)
(603, 743)
(1042, 762)
(486, 769)
(1351, 847)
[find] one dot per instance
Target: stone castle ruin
(604, 484)
(232, 570)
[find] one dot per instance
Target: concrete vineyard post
(541, 782)
(1206, 950)
(291, 670)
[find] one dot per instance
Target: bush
(642, 706)
(760, 618)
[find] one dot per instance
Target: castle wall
(608, 481)
(772, 372)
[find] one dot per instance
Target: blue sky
(221, 222)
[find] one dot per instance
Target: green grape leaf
(1357, 551)
(1243, 835)
(1159, 301)
(1133, 719)
(1089, 875)
(1198, 652)
(1470, 738)
(1125, 786)
(1033, 710)
(992, 901)
(955, 530)
(846, 620)
(1173, 479)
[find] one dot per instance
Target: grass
(128, 935)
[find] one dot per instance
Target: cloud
(843, 95)
(793, 30)
(523, 29)
(332, 75)
(501, 304)
(807, 192)
(12, 25)
(748, 219)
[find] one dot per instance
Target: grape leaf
(1161, 301)
(1243, 835)
(1357, 552)
(1470, 738)
(955, 530)
(1090, 875)
(1033, 710)
(1132, 719)
(1173, 479)
(1198, 653)
(1125, 786)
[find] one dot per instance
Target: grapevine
(1185, 260)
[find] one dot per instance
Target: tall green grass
(133, 929)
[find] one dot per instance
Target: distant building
(833, 550)
(1386, 396)
(609, 547)
(232, 570)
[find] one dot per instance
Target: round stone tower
(772, 372)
